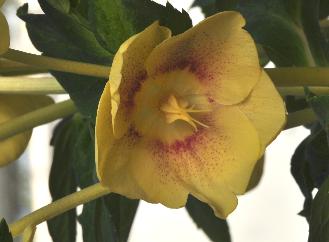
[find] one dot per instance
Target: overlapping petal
(186, 115)
(4, 32)
(218, 51)
(12, 106)
(214, 164)
(266, 109)
(131, 170)
(128, 72)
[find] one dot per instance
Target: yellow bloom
(189, 114)
(12, 106)
(4, 32)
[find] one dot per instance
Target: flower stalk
(299, 76)
(55, 64)
(12, 68)
(58, 207)
(36, 118)
(302, 117)
(25, 85)
(299, 91)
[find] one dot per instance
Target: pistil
(179, 109)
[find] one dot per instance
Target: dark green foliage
(324, 9)
(320, 106)
(108, 218)
(62, 180)
(288, 30)
(91, 31)
(310, 165)
(5, 235)
(204, 217)
(96, 222)
(115, 21)
(319, 222)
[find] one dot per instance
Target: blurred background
(267, 213)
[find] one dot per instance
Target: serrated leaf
(115, 21)
(319, 222)
(62, 179)
(74, 29)
(48, 37)
(210, 7)
(5, 235)
(216, 229)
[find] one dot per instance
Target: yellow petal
(126, 165)
(216, 163)
(256, 174)
(218, 51)
(1, 2)
(128, 72)
(4, 34)
(131, 170)
(266, 110)
(12, 106)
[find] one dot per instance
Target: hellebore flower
(4, 32)
(12, 106)
(189, 114)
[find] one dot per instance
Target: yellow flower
(189, 114)
(12, 106)
(4, 32)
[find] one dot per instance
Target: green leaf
(324, 9)
(74, 29)
(123, 211)
(274, 24)
(210, 7)
(288, 30)
(62, 180)
(319, 222)
(310, 165)
(115, 21)
(108, 219)
(96, 222)
(301, 172)
(5, 235)
(84, 157)
(114, 213)
(48, 37)
(216, 229)
(320, 106)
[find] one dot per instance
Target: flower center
(180, 109)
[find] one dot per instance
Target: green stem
(299, 91)
(12, 68)
(36, 118)
(58, 64)
(28, 234)
(302, 117)
(20, 85)
(299, 76)
(58, 207)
